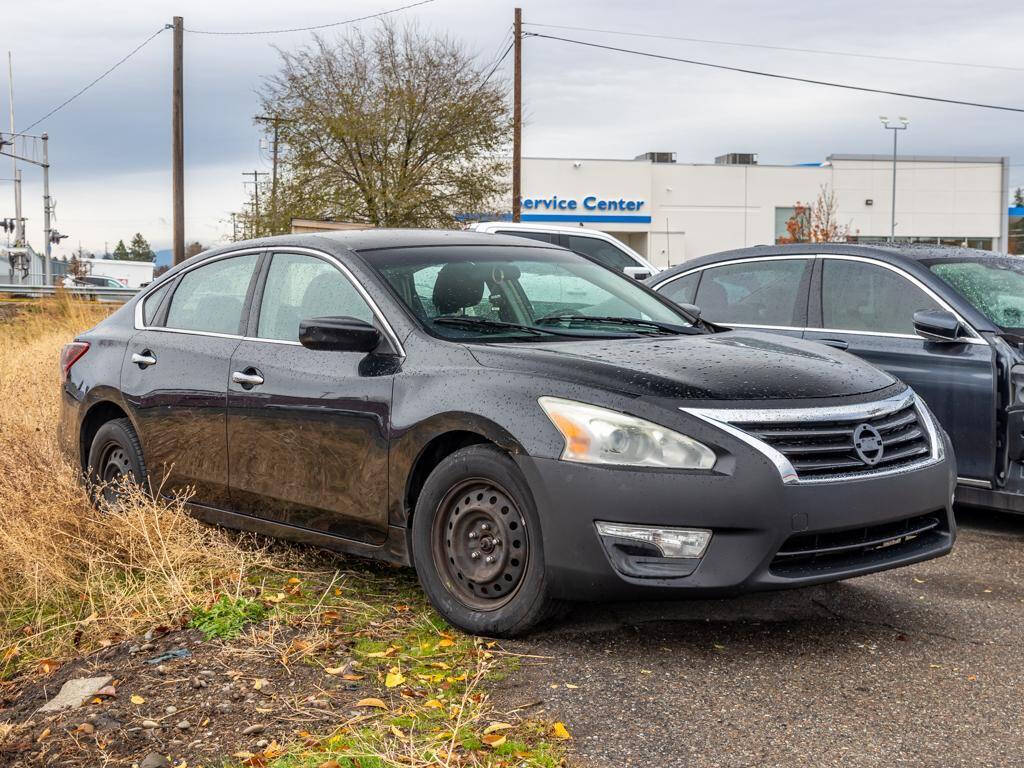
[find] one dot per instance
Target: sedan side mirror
(937, 325)
(691, 309)
(637, 273)
(339, 334)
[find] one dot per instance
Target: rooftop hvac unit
(737, 158)
(657, 157)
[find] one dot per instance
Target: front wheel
(115, 457)
(477, 546)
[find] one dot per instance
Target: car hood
(736, 365)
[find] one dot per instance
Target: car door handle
(837, 343)
(248, 378)
(144, 360)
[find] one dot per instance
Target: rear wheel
(477, 546)
(115, 457)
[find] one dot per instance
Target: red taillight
(70, 355)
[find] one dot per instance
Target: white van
(590, 242)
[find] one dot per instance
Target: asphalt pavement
(920, 666)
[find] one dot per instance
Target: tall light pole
(904, 122)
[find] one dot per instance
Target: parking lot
(919, 666)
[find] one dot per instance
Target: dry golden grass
(73, 576)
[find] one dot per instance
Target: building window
(782, 217)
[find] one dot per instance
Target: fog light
(671, 542)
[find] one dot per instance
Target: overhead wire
(313, 28)
(775, 75)
(765, 46)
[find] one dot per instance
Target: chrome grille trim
(741, 423)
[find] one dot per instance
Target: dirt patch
(208, 701)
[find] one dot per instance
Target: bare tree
(393, 129)
(817, 222)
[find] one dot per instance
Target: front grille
(825, 449)
(808, 554)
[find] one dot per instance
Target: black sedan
(947, 321)
(520, 423)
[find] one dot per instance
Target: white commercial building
(671, 212)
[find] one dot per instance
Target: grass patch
(226, 617)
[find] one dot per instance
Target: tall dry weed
(70, 575)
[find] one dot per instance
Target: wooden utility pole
(254, 230)
(517, 117)
(178, 144)
(275, 120)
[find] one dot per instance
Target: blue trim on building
(1017, 211)
(585, 217)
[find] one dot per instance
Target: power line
(313, 28)
(63, 104)
(764, 46)
(777, 76)
(498, 62)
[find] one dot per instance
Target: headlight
(933, 427)
(599, 436)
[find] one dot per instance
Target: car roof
(905, 255)
(529, 226)
(373, 239)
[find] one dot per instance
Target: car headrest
(322, 297)
(459, 284)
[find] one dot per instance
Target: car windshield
(512, 293)
(994, 286)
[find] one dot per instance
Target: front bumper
(752, 515)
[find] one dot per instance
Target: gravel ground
(920, 666)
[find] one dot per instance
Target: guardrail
(92, 292)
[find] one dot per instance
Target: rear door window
(210, 298)
(768, 292)
(857, 296)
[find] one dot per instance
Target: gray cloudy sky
(110, 149)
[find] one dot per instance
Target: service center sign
(587, 208)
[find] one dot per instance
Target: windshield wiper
(574, 319)
(486, 323)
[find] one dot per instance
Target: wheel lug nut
(489, 560)
(485, 526)
(474, 555)
(472, 534)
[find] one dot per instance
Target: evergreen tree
(120, 251)
(139, 249)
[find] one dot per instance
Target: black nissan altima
(522, 425)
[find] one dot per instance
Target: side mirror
(691, 309)
(339, 334)
(637, 273)
(937, 325)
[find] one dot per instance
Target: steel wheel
(480, 543)
(114, 468)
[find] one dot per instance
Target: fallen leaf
(571, 686)
(46, 666)
(275, 598)
(394, 678)
(260, 683)
(334, 670)
(559, 731)
(493, 740)
(972, 678)
(44, 734)
(294, 580)
(329, 764)
(397, 732)
(434, 704)
(498, 727)
(352, 676)
(136, 699)
(446, 642)
(273, 749)
(371, 702)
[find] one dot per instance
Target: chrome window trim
(374, 307)
(974, 338)
(721, 418)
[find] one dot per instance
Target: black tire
(480, 490)
(115, 452)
